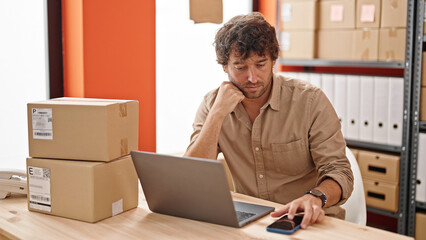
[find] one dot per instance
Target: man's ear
(224, 68)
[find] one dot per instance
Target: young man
(280, 136)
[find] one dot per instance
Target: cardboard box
(420, 230)
(336, 44)
(394, 13)
(298, 15)
(82, 128)
(368, 13)
(381, 195)
(82, 190)
(298, 44)
(355, 152)
(206, 11)
(392, 44)
(423, 83)
(423, 104)
(337, 14)
(366, 44)
(379, 166)
(424, 21)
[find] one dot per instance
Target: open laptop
(192, 188)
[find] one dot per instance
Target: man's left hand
(309, 204)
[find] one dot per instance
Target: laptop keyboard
(243, 215)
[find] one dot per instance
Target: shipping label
(42, 123)
(39, 188)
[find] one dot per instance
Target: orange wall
(109, 52)
(269, 9)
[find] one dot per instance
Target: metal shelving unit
(417, 126)
(374, 146)
(382, 212)
(405, 205)
(339, 63)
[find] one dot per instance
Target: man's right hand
(227, 98)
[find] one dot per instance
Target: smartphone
(285, 225)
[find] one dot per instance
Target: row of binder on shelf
(370, 108)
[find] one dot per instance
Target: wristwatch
(318, 193)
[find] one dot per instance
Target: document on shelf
(352, 110)
(340, 100)
(396, 109)
(381, 110)
(315, 79)
(366, 108)
(327, 86)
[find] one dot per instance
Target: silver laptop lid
(186, 187)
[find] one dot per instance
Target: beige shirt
(293, 145)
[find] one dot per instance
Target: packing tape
(123, 109)
(390, 55)
(366, 34)
(365, 54)
(124, 146)
(394, 3)
(393, 32)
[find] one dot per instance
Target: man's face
(252, 76)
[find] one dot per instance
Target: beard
(262, 88)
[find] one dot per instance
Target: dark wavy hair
(245, 34)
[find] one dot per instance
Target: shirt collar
(274, 98)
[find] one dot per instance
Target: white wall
(23, 74)
(186, 68)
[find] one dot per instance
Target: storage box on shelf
(337, 14)
(380, 173)
(392, 44)
(336, 44)
(366, 43)
(297, 26)
(368, 13)
(420, 232)
(394, 13)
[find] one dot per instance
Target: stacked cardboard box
(393, 30)
(380, 173)
(372, 30)
(336, 29)
(366, 42)
(79, 165)
(420, 232)
(298, 24)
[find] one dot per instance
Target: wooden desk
(16, 222)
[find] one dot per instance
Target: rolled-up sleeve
(328, 146)
(201, 116)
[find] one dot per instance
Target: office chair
(356, 210)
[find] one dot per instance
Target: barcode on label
(46, 173)
(40, 198)
(42, 134)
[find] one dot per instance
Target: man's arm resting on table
(311, 205)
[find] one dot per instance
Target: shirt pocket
(291, 158)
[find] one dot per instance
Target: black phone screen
(286, 224)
